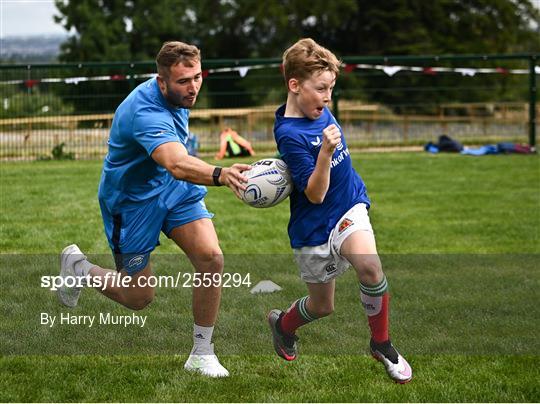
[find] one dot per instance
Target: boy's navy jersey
(142, 122)
(299, 141)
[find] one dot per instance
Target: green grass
(422, 203)
(268, 379)
(459, 239)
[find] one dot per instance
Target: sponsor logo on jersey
(345, 223)
(317, 142)
(341, 156)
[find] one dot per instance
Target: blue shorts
(133, 228)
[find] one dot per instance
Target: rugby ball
(269, 183)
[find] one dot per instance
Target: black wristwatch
(215, 176)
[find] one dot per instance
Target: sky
(28, 17)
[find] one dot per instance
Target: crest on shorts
(135, 261)
(345, 223)
(330, 269)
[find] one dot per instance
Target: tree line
(133, 30)
(112, 30)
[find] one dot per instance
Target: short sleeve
(299, 159)
(153, 127)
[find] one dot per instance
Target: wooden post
(405, 128)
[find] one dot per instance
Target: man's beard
(176, 100)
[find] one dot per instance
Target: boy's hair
(174, 52)
(306, 57)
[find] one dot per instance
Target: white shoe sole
(67, 296)
(407, 378)
(201, 370)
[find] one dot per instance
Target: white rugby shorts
(322, 263)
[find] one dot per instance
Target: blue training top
(142, 122)
(299, 141)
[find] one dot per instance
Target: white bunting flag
(243, 71)
(391, 70)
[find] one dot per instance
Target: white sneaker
(69, 296)
(207, 365)
(396, 366)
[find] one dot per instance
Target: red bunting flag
(349, 68)
(30, 83)
(243, 70)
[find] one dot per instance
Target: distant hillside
(30, 49)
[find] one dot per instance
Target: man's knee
(140, 302)
(141, 299)
(210, 260)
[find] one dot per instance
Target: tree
(133, 30)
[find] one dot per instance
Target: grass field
(459, 239)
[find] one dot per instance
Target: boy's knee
(370, 269)
(323, 310)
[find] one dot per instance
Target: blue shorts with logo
(133, 228)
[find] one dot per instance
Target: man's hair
(306, 57)
(174, 52)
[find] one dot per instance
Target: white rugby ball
(269, 183)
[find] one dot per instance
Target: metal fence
(65, 110)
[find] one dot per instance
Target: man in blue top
(329, 228)
(148, 185)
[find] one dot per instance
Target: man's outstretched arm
(174, 157)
